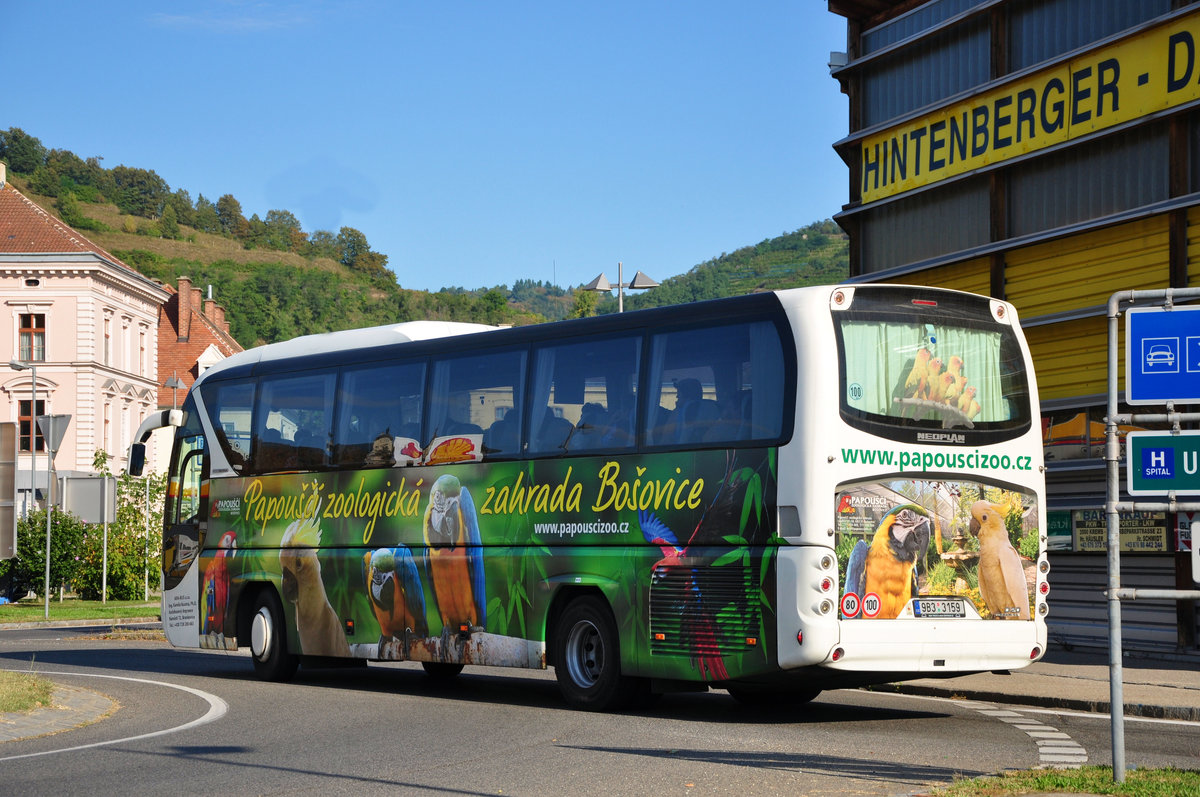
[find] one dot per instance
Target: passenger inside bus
(694, 414)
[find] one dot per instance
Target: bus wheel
(268, 640)
(587, 657)
(773, 698)
(441, 671)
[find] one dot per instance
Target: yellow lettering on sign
(1152, 71)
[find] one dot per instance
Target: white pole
(620, 289)
(49, 501)
(33, 433)
(104, 519)
(146, 545)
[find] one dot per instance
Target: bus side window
(704, 383)
(300, 408)
(475, 392)
(584, 396)
(379, 405)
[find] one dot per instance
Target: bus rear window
(947, 365)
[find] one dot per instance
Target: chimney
(185, 308)
(219, 317)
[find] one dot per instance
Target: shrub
(132, 555)
(28, 569)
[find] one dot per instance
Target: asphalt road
(388, 729)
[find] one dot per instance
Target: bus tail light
(826, 607)
(837, 654)
(1044, 587)
(800, 637)
(826, 584)
(1033, 654)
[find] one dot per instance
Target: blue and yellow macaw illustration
(887, 565)
(454, 557)
(397, 596)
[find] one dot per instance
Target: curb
(80, 623)
(1191, 714)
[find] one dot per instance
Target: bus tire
(587, 657)
(441, 671)
(268, 639)
(773, 699)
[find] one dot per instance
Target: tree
(492, 306)
(68, 210)
(140, 192)
(169, 223)
(351, 245)
(181, 202)
(206, 218)
(229, 215)
(283, 230)
(322, 244)
(585, 304)
(22, 152)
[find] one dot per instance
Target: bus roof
(368, 337)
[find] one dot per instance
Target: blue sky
(474, 143)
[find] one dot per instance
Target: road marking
(1055, 748)
(216, 709)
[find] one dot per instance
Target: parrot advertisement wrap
(458, 563)
(903, 541)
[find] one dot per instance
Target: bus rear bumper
(938, 647)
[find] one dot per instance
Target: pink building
(90, 325)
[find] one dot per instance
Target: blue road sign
(1162, 355)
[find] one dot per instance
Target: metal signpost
(1162, 366)
(53, 428)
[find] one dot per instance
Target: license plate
(939, 607)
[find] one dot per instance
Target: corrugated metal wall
(913, 22)
(1079, 611)
(1112, 174)
(929, 71)
(1070, 357)
(1084, 270)
(973, 276)
(1193, 247)
(925, 225)
(1043, 29)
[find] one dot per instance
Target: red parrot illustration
(454, 557)
(216, 586)
(699, 624)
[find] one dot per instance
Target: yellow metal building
(1046, 152)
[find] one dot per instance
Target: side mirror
(137, 459)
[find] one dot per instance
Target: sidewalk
(1166, 686)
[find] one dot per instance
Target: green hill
(278, 281)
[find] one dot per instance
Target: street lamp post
(17, 365)
(639, 282)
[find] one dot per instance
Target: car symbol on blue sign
(1160, 353)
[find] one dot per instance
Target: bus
(774, 494)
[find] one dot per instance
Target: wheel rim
(585, 654)
(261, 633)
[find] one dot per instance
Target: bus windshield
(926, 364)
